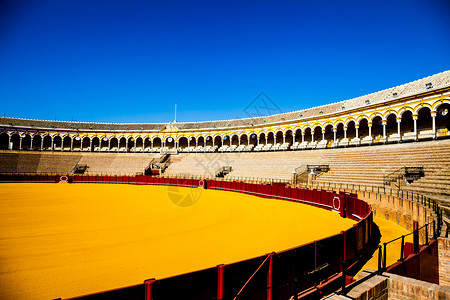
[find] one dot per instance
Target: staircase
(301, 174)
(157, 166)
(403, 175)
(223, 171)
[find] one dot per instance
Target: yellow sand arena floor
(389, 231)
(64, 240)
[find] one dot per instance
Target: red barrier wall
(421, 266)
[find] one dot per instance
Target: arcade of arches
(425, 121)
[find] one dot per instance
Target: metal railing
(382, 255)
(399, 193)
(403, 172)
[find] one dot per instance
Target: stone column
(415, 117)
(433, 121)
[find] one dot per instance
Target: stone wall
(387, 286)
(444, 261)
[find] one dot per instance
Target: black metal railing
(409, 173)
(383, 190)
(429, 231)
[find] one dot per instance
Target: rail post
(426, 234)
(149, 288)
(343, 276)
(380, 254)
(384, 256)
(416, 236)
(402, 248)
(295, 288)
(434, 230)
(220, 282)
(270, 278)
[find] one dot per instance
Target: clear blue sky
(131, 61)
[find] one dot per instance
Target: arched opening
(340, 131)
(15, 140)
(95, 144)
(407, 126)
(351, 130)
(308, 135)
(391, 127)
(122, 144)
(104, 144)
(157, 142)
(443, 120)
(4, 141)
(76, 143)
(183, 142)
(262, 139)
(234, 141)
(57, 142)
(253, 139)
(318, 134)
(298, 136)
(209, 141)
(37, 141)
(329, 135)
(271, 138)
(67, 143)
(131, 144)
(170, 142)
(244, 140)
(363, 130)
(424, 123)
(192, 142)
(279, 138)
(86, 144)
(289, 138)
(218, 141)
(227, 141)
(139, 144)
(47, 144)
(26, 142)
(201, 143)
(114, 144)
(377, 128)
(147, 144)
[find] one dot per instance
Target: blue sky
(131, 61)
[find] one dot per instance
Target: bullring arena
(287, 206)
